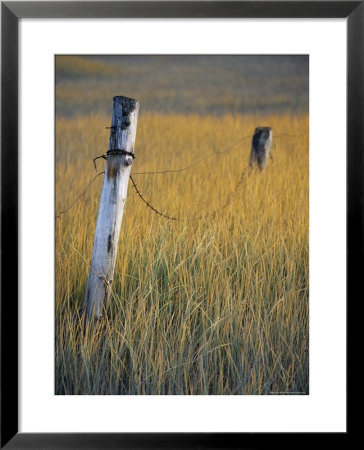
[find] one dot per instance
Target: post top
(126, 104)
(123, 98)
(263, 129)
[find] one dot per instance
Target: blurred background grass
(225, 84)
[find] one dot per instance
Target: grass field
(198, 84)
(216, 303)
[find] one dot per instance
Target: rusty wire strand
(79, 196)
(149, 205)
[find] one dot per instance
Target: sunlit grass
(216, 303)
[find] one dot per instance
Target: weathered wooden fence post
(261, 145)
(119, 159)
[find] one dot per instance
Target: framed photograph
(180, 221)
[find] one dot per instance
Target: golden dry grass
(216, 305)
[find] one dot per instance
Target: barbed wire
(104, 156)
(232, 193)
(79, 196)
(212, 214)
(148, 204)
(291, 135)
(155, 210)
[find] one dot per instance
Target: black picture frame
(11, 12)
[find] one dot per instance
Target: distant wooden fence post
(261, 145)
(112, 202)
